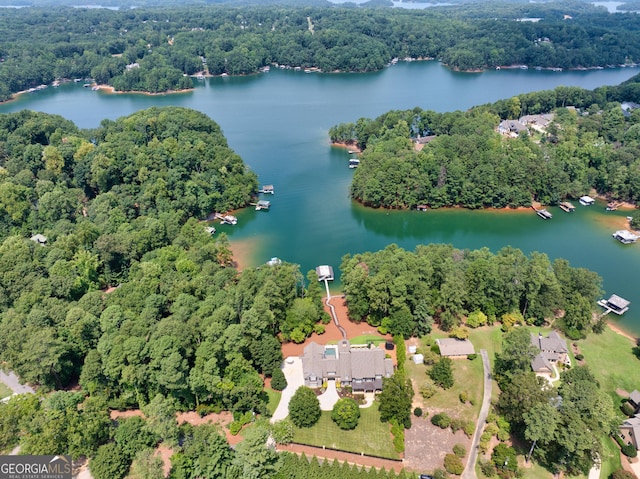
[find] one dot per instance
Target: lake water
(278, 123)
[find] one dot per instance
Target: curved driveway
(470, 469)
(292, 370)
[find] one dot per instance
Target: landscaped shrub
(488, 468)
(579, 357)
(442, 420)
(453, 464)
(428, 389)
(627, 409)
(346, 413)
(471, 357)
(456, 425)
(278, 380)
(304, 407)
(398, 436)
(442, 374)
(464, 397)
(417, 412)
(440, 474)
(318, 328)
(459, 450)
(469, 428)
(239, 420)
(629, 450)
(622, 474)
(282, 431)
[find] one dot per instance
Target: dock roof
(618, 302)
(325, 272)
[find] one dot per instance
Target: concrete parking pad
(330, 397)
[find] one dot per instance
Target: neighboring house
(361, 367)
(511, 127)
(630, 431)
(455, 348)
(628, 107)
(537, 122)
(40, 239)
(553, 350)
(634, 401)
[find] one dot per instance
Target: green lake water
(278, 123)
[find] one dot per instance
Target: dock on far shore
(541, 212)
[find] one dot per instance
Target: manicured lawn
(4, 391)
(611, 460)
(274, 399)
(369, 437)
(364, 339)
(611, 361)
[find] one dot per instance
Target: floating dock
(586, 200)
(267, 190)
(226, 219)
(613, 205)
(625, 236)
(354, 162)
(542, 213)
(263, 205)
(567, 207)
(615, 304)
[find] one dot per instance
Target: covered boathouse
(615, 304)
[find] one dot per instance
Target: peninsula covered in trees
(591, 143)
(157, 49)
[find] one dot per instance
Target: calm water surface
(278, 123)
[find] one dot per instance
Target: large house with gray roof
(630, 431)
(360, 367)
(553, 349)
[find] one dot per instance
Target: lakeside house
(359, 366)
(39, 238)
(553, 350)
(455, 348)
(511, 128)
(630, 431)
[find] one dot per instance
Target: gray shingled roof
(455, 347)
(635, 396)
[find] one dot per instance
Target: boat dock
(586, 200)
(263, 205)
(613, 205)
(226, 219)
(567, 207)
(614, 304)
(267, 190)
(625, 236)
(542, 213)
(354, 162)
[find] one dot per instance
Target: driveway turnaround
(11, 380)
(292, 369)
(330, 397)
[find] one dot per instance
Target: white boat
(354, 163)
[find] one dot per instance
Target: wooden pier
(263, 205)
(613, 205)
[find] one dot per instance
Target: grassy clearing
(364, 339)
(274, 399)
(611, 460)
(468, 378)
(611, 361)
(370, 436)
(4, 391)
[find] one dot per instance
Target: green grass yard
(369, 437)
(4, 391)
(274, 399)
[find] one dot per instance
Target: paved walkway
(470, 469)
(292, 370)
(333, 311)
(330, 397)
(12, 381)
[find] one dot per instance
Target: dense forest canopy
(403, 292)
(590, 144)
(156, 49)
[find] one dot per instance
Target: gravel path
(470, 469)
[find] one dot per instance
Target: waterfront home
(455, 348)
(630, 431)
(586, 200)
(362, 367)
(511, 128)
(625, 236)
(553, 350)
